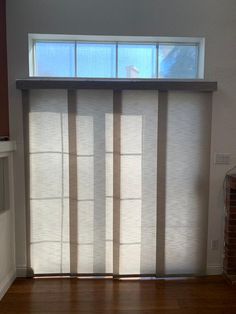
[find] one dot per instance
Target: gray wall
(212, 19)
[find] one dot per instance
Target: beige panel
(187, 175)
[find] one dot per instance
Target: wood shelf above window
(117, 84)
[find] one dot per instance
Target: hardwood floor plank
(49, 296)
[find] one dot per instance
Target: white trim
(21, 271)
(8, 146)
(201, 59)
(214, 269)
(6, 283)
(118, 39)
(31, 56)
(150, 39)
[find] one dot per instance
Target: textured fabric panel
(46, 215)
(131, 176)
(85, 175)
(46, 257)
(187, 174)
(138, 182)
(48, 162)
(50, 236)
(46, 175)
(48, 121)
(109, 192)
(139, 209)
(109, 235)
(93, 108)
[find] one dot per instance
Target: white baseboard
(214, 270)
(23, 271)
(6, 283)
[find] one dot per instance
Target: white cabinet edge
(6, 147)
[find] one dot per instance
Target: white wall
(7, 238)
(214, 20)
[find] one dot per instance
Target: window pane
(177, 61)
(96, 60)
(136, 61)
(55, 59)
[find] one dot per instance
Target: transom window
(116, 57)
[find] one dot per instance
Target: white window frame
(200, 42)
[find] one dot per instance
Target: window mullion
(157, 60)
(116, 59)
(76, 70)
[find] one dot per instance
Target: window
(54, 59)
(137, 61)
(116, 57)
(96, 60)
(177, 61)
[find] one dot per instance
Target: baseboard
(6, 283)
(24, 271)
(214, 270)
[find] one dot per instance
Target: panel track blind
(187, 170)
(118, 182)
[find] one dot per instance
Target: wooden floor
(195, 296)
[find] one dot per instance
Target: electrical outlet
(214, 245)
(223, 159)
